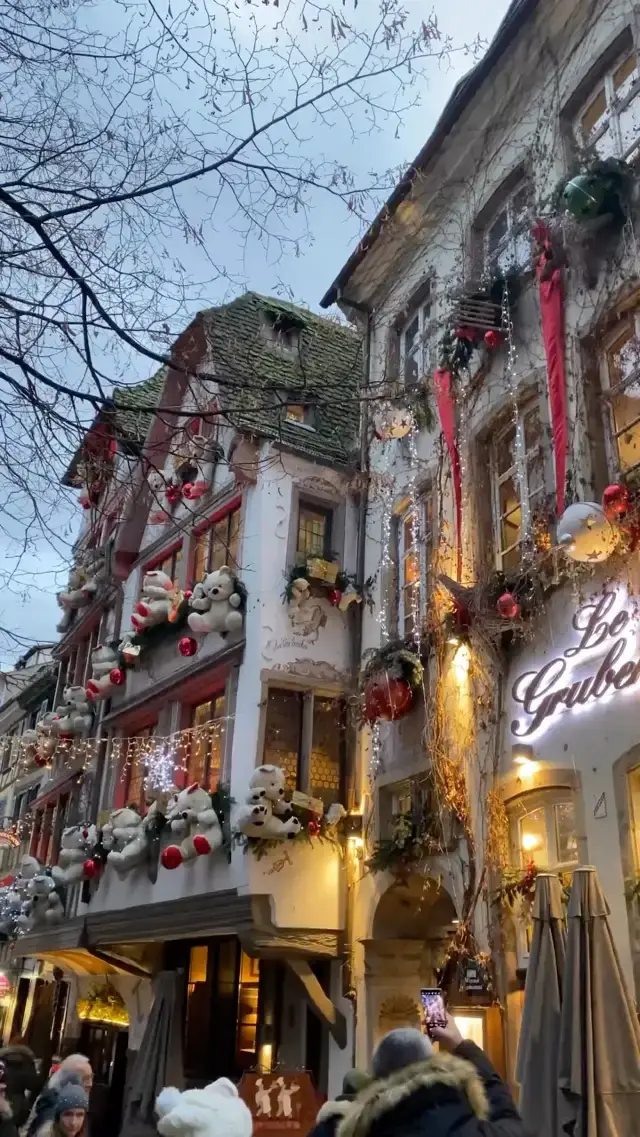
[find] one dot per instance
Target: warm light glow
(266, 1057)
(530, 841)
(356, 846)
(471, 1027)
(454, 639)
(527, 769)
(461, 662)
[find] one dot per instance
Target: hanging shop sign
(281, 1103)
(606, 647)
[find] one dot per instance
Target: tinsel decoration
(496, 852)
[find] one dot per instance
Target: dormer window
(300, 413)
(282, 331)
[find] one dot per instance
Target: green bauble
(584, 196)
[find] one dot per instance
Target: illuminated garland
(103, 1005)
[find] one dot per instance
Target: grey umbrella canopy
(537, 1064)
(158, 1062)
(599, 1066)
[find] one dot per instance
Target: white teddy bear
(215, 1111)
(216, 604)
(103, 661)
(46, 903)
(157, 486)
(127, 834)
(157, 601)
(122, 829)
(263, 815)
(74, 716)
(74, 596)
(76, 843)
(192, 816)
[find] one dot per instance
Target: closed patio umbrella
(158, 1062)
(537, 1064)
(599, 1065)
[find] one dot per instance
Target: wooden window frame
(609, 122)
(327, 511)
(189, 713)
(497, 478)
(628, 323)
(518, 222)
(420, 349)
(305, 742)
(207, 527)
(423, 533)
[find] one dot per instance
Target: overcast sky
(304, 277)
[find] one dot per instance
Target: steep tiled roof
(257, 377)
(132, 422)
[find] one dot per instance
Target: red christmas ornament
(313, 827)
(508, 606)
(335, 596)
(117, 677)
(493, 339)
(40, 761)
(386, 697)
(464, 334)
(188, 593)
(201, 845)
(89, 869)
(616, 501)
(187, 646)
(173, 494)
(187, 490)
(171, 857)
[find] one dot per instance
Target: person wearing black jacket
(8, 1127)
(22, 1078)
(420, 1093)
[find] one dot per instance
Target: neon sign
(546, 693)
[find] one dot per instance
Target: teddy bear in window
(216, 604)
(266, 814)
(159, 600)
(103, 661)
(76, 843)
(192, 817)
(74, 717)
(128, 836)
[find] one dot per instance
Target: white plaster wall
(589, 739)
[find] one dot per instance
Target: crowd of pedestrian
(413, 1090)
(33, 1104)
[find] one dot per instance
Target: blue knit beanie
(71, 1096)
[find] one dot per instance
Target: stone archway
(411, 925)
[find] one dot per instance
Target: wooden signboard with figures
(281, 1103)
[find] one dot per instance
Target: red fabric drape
(446, 412)
(552, 319)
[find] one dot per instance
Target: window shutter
(392, 371)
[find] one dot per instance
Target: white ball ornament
(585, 534)
(393, 422)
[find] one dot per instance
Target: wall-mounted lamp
(521, 754)
(353, 830)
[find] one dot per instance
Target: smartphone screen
(432, 1001)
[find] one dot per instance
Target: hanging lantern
(616, 501)
(187, 646)
(89, 869)
(335, 596)
(508, 606)
(171, 857)
(393, 422)
(117, 677)
(493, 339)
(387, 698)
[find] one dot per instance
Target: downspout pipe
(356, 640)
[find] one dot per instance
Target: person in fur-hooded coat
(332, 1112)
(215, 1111)
(421, 1093)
